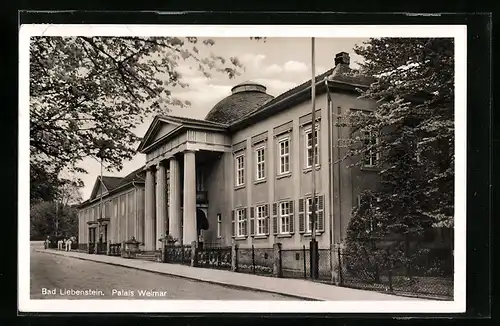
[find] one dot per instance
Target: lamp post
(314, 243)
(102, 145)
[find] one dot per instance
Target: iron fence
(217, 257)
(295, 263)
(255, 260)
(428, 275)
(102, 248)
(178, 254)
(115, 249)
(91, 248)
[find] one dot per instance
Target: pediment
(159, 128)
(99, 188)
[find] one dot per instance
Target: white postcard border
(458, 32)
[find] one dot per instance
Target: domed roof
(245, 98)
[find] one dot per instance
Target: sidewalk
(302, 289)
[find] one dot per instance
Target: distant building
(242, 174)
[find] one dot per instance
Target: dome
(245, 98)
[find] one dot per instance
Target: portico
(174, 147)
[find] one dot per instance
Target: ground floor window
(242, 222)
(284, 217)
(261, 219)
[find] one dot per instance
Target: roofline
(112, 192)
(320, 88)
(178, 129)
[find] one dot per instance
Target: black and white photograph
(190, 168)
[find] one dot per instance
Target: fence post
(194, 250)
(277, 262)
(304, 260)
(234, 257)
(339, 255)
(390, 280)
(333, 264)
(253, 258)
(164, 250)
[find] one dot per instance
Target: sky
(278, 63)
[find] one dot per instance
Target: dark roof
(246, 97)
(114, 183)
(343, 73)
(340, 73)
(136, 176)
(290, 92)
(111, 182)
(193, 121)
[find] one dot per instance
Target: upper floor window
(284, 156)
(371, 157)
(309, 147)
(240, 170)
(260, 163)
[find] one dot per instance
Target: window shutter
(252, 220)
(245, 212)
(321, 219)
(233, 224)
(302, 228)
(275, 218)
(266, 221)
(292, 217)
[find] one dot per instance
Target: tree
(86, 91)
(414, 128)
(53, 219)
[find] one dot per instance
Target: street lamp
(102, 146)
(314, 243)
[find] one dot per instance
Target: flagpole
(313, 168)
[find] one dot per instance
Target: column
(161, 203)
(174, 214)
(150, 227)
(189, 217)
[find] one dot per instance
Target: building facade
(244, 173)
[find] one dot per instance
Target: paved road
(51, 273)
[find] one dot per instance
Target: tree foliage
(53, 219)
(88, 93)
(414, 124)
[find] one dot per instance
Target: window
(371, 155)
(260, 163)
(309, 147)
(200, 184)
(284, 156)
(365, 204)
(284, 217)
(309, 221)
(240, 170)
(219, 226)
(242, 222)
(260, 212)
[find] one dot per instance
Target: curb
(234, 286)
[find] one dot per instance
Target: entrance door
(105, 233)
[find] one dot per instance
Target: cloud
(295, 66)
(252, 60)
(276, 86)
(273, 69)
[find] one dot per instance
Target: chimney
(342, 58)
